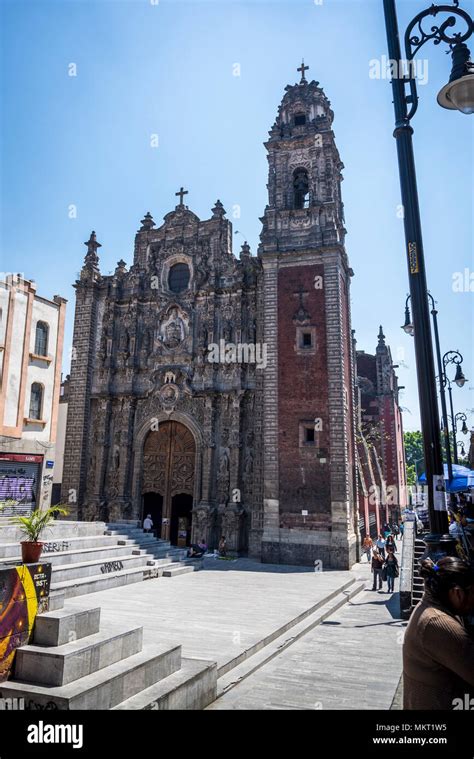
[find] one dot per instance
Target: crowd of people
(381, 555)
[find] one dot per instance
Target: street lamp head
(464, 429)
(460, 379)
(408, 326)
(458, 94)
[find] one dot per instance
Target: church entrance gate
(169, 463)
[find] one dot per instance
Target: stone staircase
(88, 557)
(75, 663)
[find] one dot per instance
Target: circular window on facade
(178, 278)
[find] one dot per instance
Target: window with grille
(41, 339)
(178, 278)
(36, 401)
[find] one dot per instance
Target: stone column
(270, 399)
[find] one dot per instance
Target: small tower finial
(91, 256)
(303, 68)
(147, 221)
(218, 212)
(245, 252)
(90, 270)
(381, 336)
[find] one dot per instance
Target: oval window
(178, 278)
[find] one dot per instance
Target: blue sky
(168, 69)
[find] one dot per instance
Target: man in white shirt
(147, 523)
(380, 543)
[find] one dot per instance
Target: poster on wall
(24, 593)
(439, 493)
(19, 478)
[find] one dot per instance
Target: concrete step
(175, 571)
(52, 548)
(83, 555)
(55, 628)
(135, 531)
(257, 656)
(95, 583)
(193, 687)
(65, 572)
(58, 530)
(61, 665)
(56, 599)
(103, 689)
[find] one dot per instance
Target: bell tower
(304, 180)
(308, 402)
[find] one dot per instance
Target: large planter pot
(30, 551)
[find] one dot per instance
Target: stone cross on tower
(182, 192)
(302, 68)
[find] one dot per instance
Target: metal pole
(417, 279)
(453, 422)
(442, 393)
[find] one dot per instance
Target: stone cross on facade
(301, 314)
(303, 68)
(182, 192)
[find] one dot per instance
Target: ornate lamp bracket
(416, 36)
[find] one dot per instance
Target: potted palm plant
(32, 527)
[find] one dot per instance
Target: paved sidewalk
(353, 660)
(221, 611)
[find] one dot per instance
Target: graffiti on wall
(24, 593)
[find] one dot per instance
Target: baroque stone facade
(261, 451)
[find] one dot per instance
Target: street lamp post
(460, 445)
(405, 106)
(459, 417)
(452, 357)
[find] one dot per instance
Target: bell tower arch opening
(300, 189)
(169, 466)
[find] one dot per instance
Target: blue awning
(463, 478)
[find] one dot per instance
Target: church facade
(216, 392)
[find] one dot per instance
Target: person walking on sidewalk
(377, 566)
(390, 543)
(438, 652)
(367, 546)
(391, 568)
(380, 544)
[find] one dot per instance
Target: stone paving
(353, 660)
(221, 611)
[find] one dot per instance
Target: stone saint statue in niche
(173, 330)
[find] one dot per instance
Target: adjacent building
(382, 473)
(31, 346)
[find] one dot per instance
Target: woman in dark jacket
(438, 653)
(391, 568)
(390, 543)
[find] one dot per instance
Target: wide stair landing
(74, 662)
(88, 557)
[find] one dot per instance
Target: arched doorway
(169, 461)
